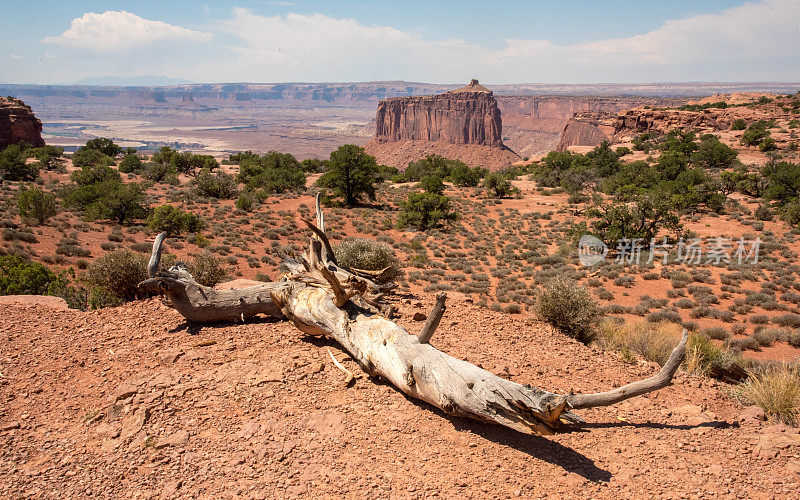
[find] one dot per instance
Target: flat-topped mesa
(468, 115)
(18, 124)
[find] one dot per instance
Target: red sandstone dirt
(131, 402)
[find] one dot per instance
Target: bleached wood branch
(322, 299)
(432, 322)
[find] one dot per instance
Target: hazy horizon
(132, 82)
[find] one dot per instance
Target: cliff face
(462, 124)
(535, 124)
(452, 117)
(661, 121)
(588, 128)
(17, 124)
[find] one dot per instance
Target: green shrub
(111, 200)
(118, 274)
(184, 162)
(369, 255)
(455, 171)
(643, 218)
(173, 220)
(19, 276)
(464, 176)
(763, 213)
(432, 184)
(161, 172)
(104, 145)
(713, 154)
(738, 124)
(352, 174)
(623, 151)
(755, 134)
(498, 185)
(782, 181)
(91, 158)
(273, 172)
(246, 201)
(208, 269)
(425, 210)
(569, 308)
(768, 144)
(219, 185)
(315, 165)
(36, 205)
(13, 165)
(130, 163)
(94, 174)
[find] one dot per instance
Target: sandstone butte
(462, 124)
(18, 124)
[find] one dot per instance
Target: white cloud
(317, 46)
(766, 29)
(752, 41)
(121, 30)
(738, 43)
(15, 56)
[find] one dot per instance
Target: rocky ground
(133, 402)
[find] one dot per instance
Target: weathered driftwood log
(322, 299)
(201, 303)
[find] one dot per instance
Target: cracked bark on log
(322, 299)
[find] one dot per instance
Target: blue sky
(444, 42)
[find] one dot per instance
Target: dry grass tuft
(776, 390)
(650, 341)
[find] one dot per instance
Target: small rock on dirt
(178, 438)
(9, 426)
(169, 356)
(170, 489)
(125, 390)
(752, 414)
(418, 316)
(133, 423)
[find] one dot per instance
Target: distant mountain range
(369, 91)
(136, 81)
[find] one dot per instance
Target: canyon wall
(312, 119)
(214, 94)
(534, 125)
(18, 124)
(587, 128)
(661, 121)
(452, 117)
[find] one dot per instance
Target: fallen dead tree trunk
(324, 300)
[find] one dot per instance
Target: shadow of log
(194, 328)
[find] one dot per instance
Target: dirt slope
(258, 410)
